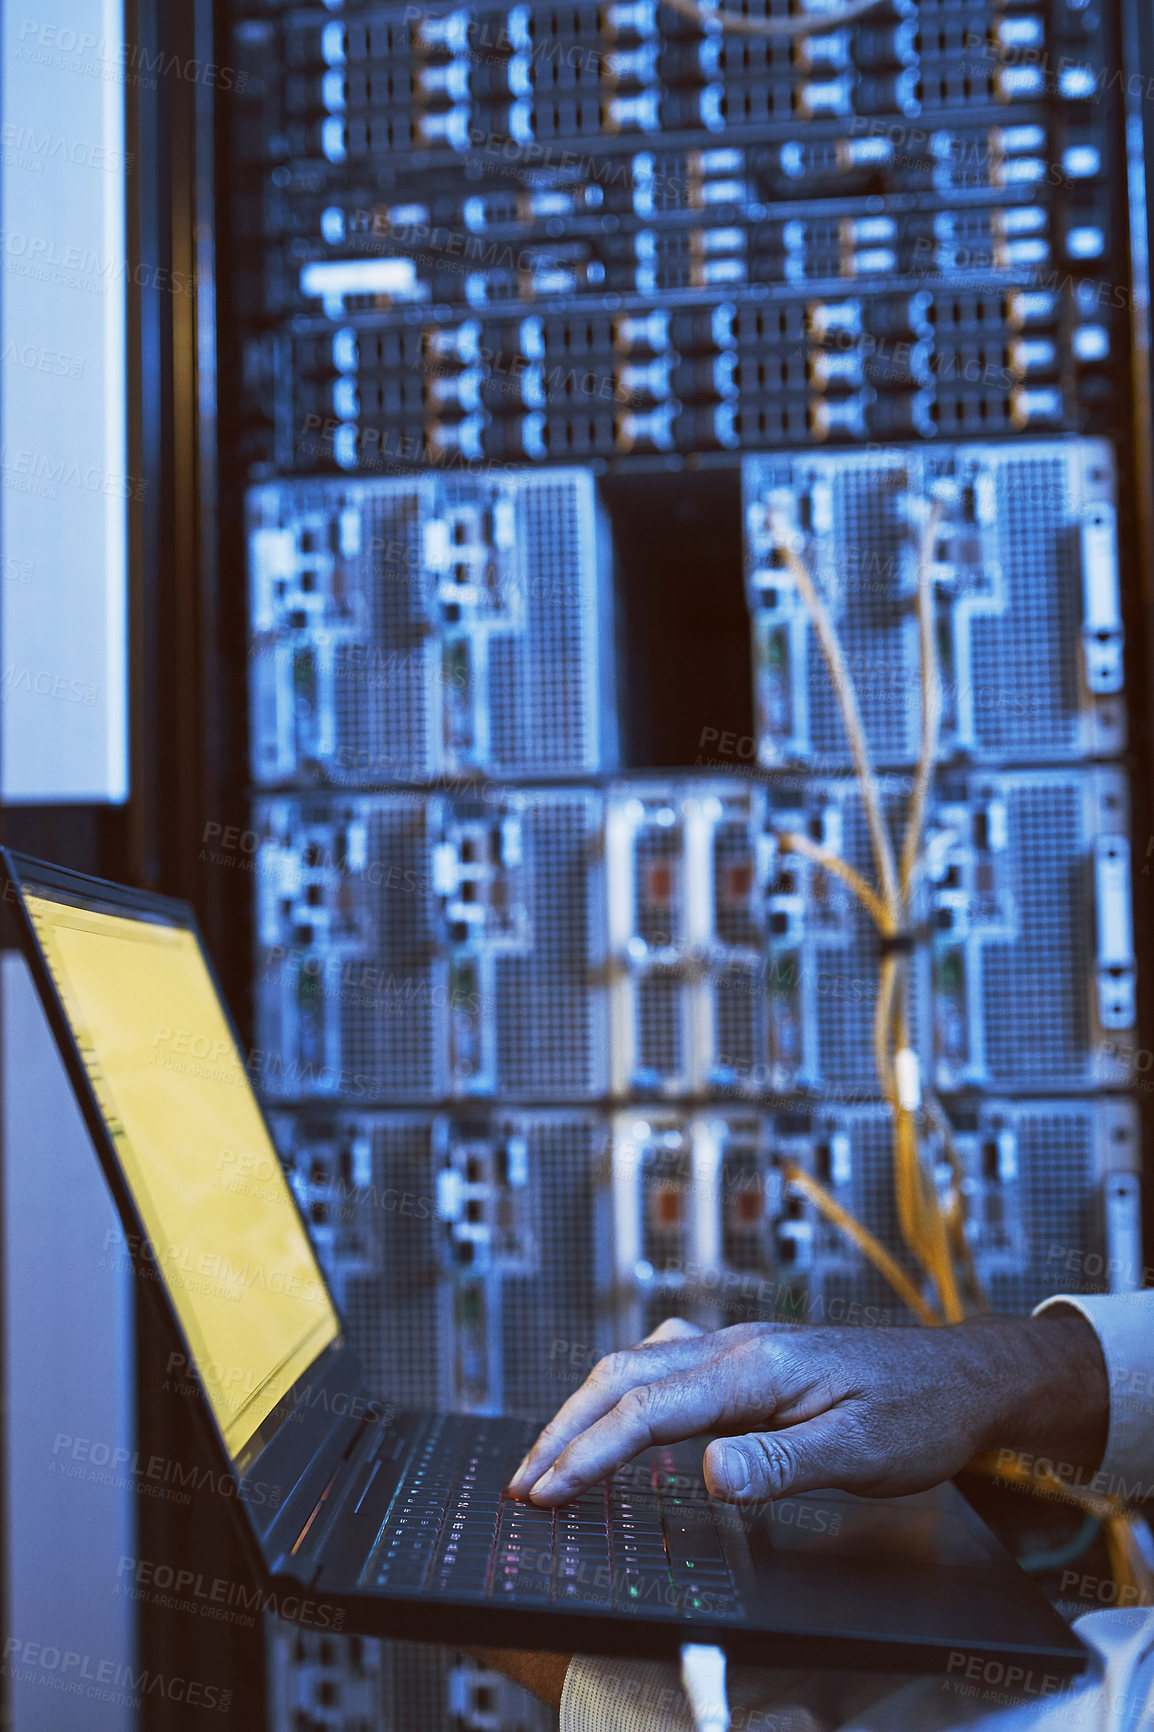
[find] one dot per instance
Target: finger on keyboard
(602, 1390)
(666, 1411)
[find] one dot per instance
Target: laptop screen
(223, 1229)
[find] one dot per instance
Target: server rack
(807, 248)
(956, 339)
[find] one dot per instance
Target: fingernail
(522, 1465)
(543, 1483)
(734, 1468)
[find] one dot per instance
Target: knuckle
(564, 1461)
(747, 1370)
(634, 1404)
(736, 1334)
(673, 1329)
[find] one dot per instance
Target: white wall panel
(63, 410)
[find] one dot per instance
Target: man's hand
(876, 1411)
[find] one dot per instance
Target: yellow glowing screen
(223, 1231)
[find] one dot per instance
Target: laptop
(400, 1520)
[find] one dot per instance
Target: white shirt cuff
(602, 1695)
(1124, 1325)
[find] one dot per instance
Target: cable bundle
(932, 1228)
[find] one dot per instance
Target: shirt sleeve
(1124, 1325)
(602, 1695)
(623, 1696)
(646, 1696)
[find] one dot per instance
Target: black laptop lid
(221, 1229)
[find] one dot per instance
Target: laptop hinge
(302, 1558)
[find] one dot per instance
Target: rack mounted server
(543, 234)
(506, 978)
(660, 938)
(432, 626)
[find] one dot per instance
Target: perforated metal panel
(838, 966)
(660, 1044)
(376, 981)
(708, 1226)
(739, 1021)
(1027, 663)
(865, 1297)
(566, 686)
(469, 1254)
(367, 1183)
(1019, 968)
(404, 629)
(1010, 917)
(868, 497)
(329, 1682)
(1039, 1173)
(335, 1683)
(1014, 587)
(551, 1035)
(555, 1325)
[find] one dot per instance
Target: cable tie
(907, 1077)
(897, 943)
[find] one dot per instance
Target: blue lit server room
(601, 553)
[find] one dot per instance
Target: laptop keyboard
(646, 1541)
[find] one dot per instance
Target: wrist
(1042, 1385)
